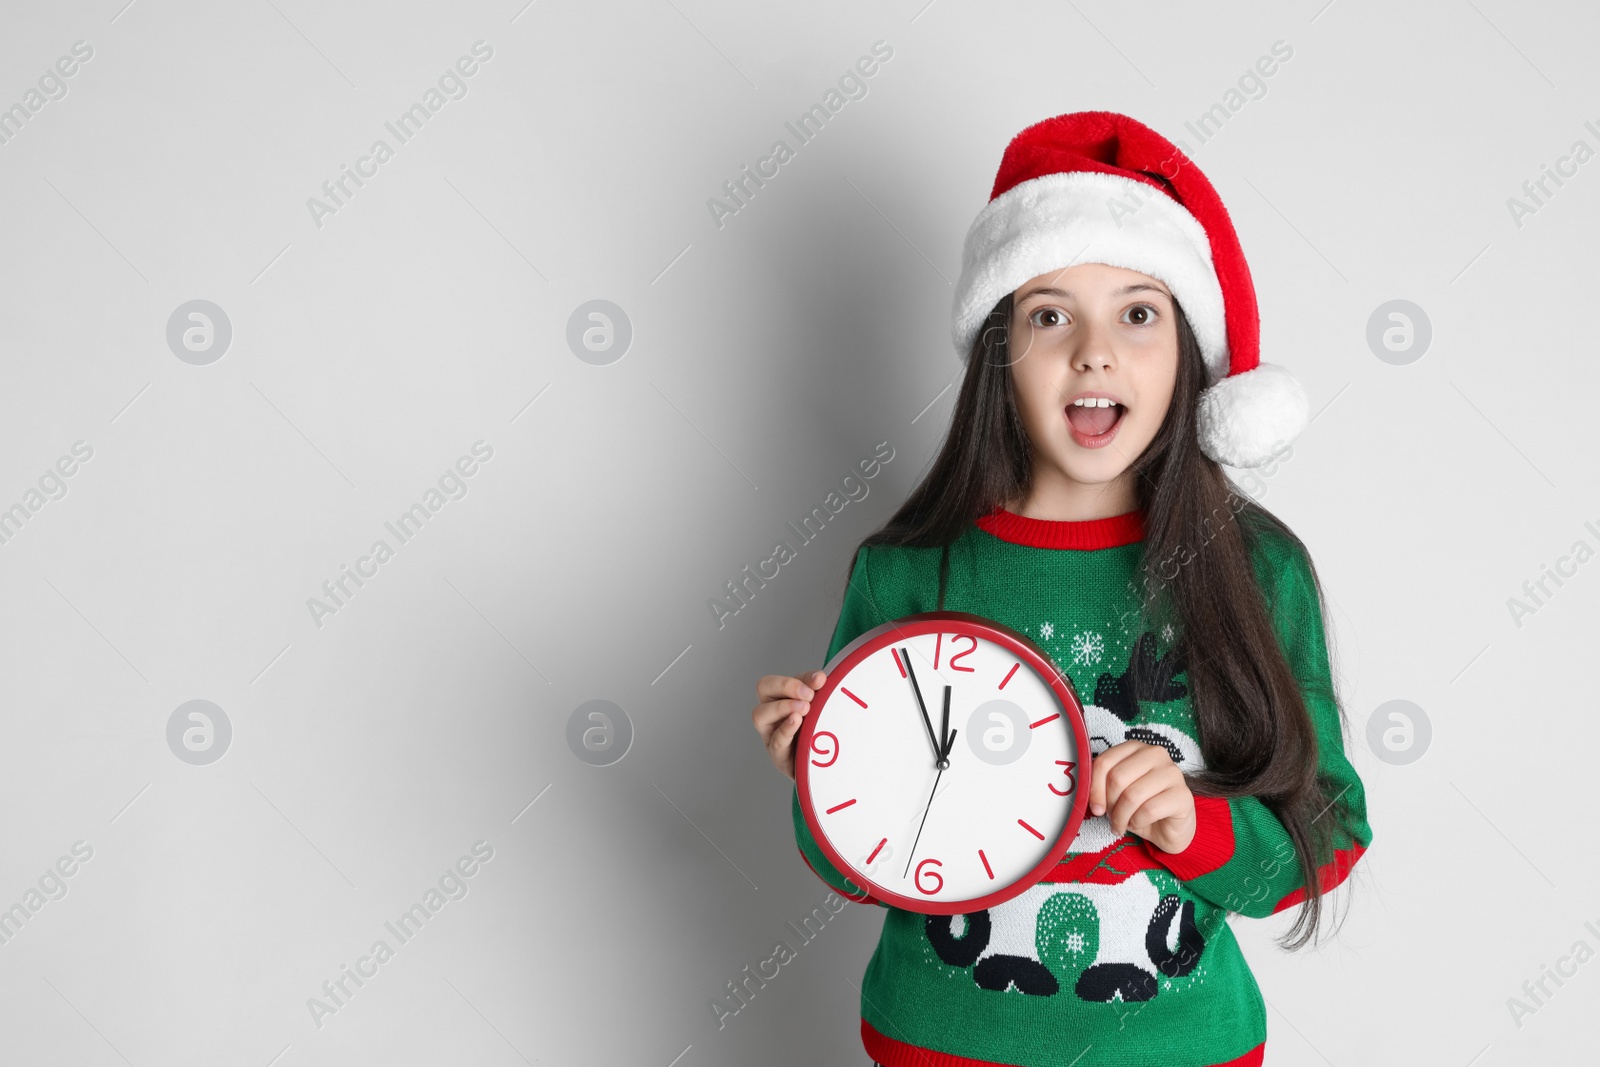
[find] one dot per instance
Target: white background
(769, 355)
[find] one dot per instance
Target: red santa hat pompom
(1100, 187)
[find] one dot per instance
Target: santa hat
(1099, 187)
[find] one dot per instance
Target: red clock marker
(986, 868)
(852, 696)
(1031, 725)
(1022, 824)
(877, 850)
(1009, 673)
(852, 800)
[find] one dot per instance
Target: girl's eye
(1147, 313)
(1045, 317)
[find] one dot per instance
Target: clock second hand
(944, 762)
(912, 855)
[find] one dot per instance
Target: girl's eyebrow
(1048, 290)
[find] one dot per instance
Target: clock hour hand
(945, 732)
(911, 673)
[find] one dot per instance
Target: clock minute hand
(915, 688)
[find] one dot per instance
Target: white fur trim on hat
(1057, 221)
(1247, 418)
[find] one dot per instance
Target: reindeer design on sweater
(1136, 942)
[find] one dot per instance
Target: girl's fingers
(781, 695)
(776, 686)
(784, 703)
(1118, 768)
(1133, 803)
(1171, 801)
(769, 715)
(1167, 820)
(781, 745)
(770, 711)
(1102, 765)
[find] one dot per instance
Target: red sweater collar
(1124, 529)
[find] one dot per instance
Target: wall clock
(944, 764)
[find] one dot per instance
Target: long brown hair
(1256, 733)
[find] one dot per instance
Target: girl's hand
(783, 704)
(1145, 793)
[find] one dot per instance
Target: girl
(1110, 330)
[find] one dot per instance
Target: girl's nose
(1094, 354)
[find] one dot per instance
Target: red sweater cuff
(1329, 875)
(1212, 845)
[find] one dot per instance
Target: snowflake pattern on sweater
(1087, 648)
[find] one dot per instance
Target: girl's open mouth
(1094, 427)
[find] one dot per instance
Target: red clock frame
(874, 641)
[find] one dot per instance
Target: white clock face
(942, 814)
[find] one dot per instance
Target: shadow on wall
(869, 347)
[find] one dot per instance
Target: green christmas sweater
(1123, 955)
